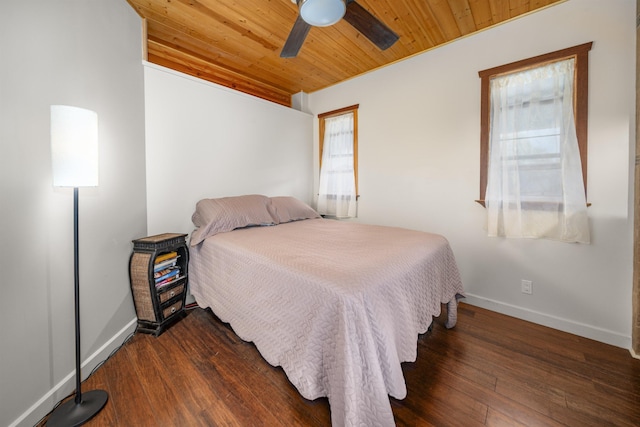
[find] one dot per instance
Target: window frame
(321, 125)
(580, 102)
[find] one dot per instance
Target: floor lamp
(74, 155)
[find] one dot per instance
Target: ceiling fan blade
(296, 38)
(369, 26)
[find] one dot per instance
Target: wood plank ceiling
(237, 43)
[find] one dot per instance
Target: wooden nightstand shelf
(159, 302)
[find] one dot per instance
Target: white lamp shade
(322, 13)
(74, 146)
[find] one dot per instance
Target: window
(338, 189)
(533, 160)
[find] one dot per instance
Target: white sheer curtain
(337, 190)
(534, 185)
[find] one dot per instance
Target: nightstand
(158, 272)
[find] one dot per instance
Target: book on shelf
(164, 257)
(165, 274)
(168, 263)
(158, 274)
(169, 280)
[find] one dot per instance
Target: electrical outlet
(527, 286)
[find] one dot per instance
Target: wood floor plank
(191, 384)
(101, 382)
(236, 357)
(503, 404)
(547, 380)
(235, 402)
(159, 378)
(547, 401)
(601, 413)
(498, 419)
(130, 405)
(446, 404)
(490, 370)
(499, 360)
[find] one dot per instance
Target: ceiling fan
(322, 13)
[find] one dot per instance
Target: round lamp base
(71, 413)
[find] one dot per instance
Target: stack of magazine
(166, 269)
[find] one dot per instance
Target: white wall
(86, 54)
(419, 165)
(205, 141)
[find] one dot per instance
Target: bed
(338, 305)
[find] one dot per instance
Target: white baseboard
(65, 387)
(565, 325)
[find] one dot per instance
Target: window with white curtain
(337, 192)
(533, 159)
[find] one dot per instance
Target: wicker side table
(158, 304)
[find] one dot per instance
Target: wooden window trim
(351, 109)
(581, 100)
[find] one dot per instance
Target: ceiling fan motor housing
(321, 13)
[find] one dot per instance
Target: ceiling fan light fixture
(322, 13)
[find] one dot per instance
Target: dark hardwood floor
(490, 370)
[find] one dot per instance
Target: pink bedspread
(339, 305)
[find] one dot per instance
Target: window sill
(529, 205)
